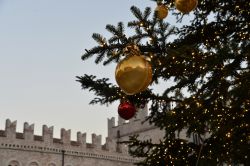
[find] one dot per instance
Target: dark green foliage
(208, 62)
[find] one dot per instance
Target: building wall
(36, 158)
(136, 125)
(27, 149)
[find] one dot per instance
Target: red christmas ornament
(126, 110)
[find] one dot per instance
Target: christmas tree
(206, 65)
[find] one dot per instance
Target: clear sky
(41, 43)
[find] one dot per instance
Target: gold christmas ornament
(186, 6)
(162, 11)
(133, 74)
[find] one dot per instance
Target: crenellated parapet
(28, 140)
(47, 134)
(10, 129)
(28, 132)
(65, 136)
(81, 138)
(96, 141)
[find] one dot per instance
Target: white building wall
(30, 157)
(27, 149)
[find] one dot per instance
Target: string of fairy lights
(209, 109)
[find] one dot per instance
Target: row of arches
(33, 163)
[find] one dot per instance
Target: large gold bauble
(133, 74)
(185, 6)
(162, 11)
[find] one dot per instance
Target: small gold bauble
(185, 6)
(162, 11)
(133, 74)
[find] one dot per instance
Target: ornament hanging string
(132, 49)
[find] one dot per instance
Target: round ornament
(162, 11)
(185, 6)
(126, 110)
(133, 74)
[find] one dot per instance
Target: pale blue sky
(41, 43)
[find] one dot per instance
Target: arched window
(13, 163)
(51, 164)
(33, 164)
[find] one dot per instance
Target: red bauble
(126, 110)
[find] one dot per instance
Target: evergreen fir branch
(118, 33)
(89, 53)
(133, 24)
(113, 57)
(112, 29)
(138, 31)
(146, 13)
(138, 38)
(137, 13)
(120, 28)
(100, 56)
(113, 40)
(106, 91)
(99, 38)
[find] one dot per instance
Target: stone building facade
(136, 125)
(27, 149)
